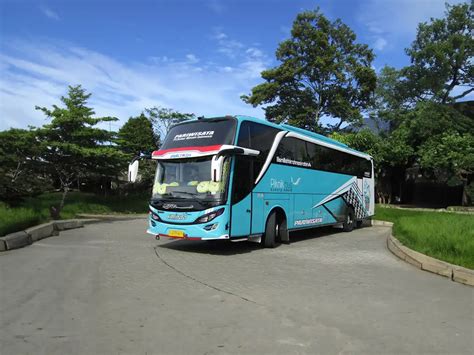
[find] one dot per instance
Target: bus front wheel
(272, 230)
(348, 224)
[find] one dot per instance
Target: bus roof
(289, 128)
(302, 131)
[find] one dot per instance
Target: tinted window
(201, 133)
(293, 151)
(243, 178)
(257, 136)
(292, 148)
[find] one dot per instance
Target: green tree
(442, 57)
(20, 165)
(323, 72)
(389, 103)
(163, 118)
(364, 140)
(406, 144)
(137, 135)
(73, 147)
(450, 157)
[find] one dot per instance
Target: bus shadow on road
(314, 233)
(225, 247)
(214, 247)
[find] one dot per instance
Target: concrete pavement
(111, 289)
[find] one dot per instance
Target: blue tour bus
(241, 178)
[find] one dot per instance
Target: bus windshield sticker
(193, 135)
(293, 162)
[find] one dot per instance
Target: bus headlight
(154, 216)
(209, 216)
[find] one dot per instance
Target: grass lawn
(36, 210)
(445, 236)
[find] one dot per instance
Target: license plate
(176, 233)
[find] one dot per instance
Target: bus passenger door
(241, 197)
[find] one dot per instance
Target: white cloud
(396, 21)
(380, 43)
(49, 13)
(219, 35)
(253, 59)
(38, 74)
(254, 52)
(230, 48)
(192, 58)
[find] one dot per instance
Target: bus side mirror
(226, 150)
(133, 166)
(133, 171)
(216, 168)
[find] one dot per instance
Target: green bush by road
(445, 236)
(36, 210)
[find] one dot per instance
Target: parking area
(110, 288)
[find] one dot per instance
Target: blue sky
(190, 55)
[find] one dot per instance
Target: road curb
(33, 234)
(424, 262)
(111, 217)
(17, 240)
(41, 231)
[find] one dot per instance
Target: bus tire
(271, 231)
(349, 221)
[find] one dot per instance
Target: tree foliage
(21, 173)
(323, 72)
(137, 135)
(72, 145)
(163, 118)
(442, 66)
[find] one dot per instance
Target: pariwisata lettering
(303, 222)
(193, 135)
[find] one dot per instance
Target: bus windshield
(189, 179)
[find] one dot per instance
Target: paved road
(109, 288)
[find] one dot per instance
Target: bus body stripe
(279, 136)
(208, 148)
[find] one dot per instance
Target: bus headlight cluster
(154, 216)
(209, 216)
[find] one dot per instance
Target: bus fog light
(211, 227)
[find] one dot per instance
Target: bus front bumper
(187, 237)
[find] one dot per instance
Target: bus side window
(243, 178)
(292, 148)
(285, 149)
(257, 136)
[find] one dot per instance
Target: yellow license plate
(176, 233)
